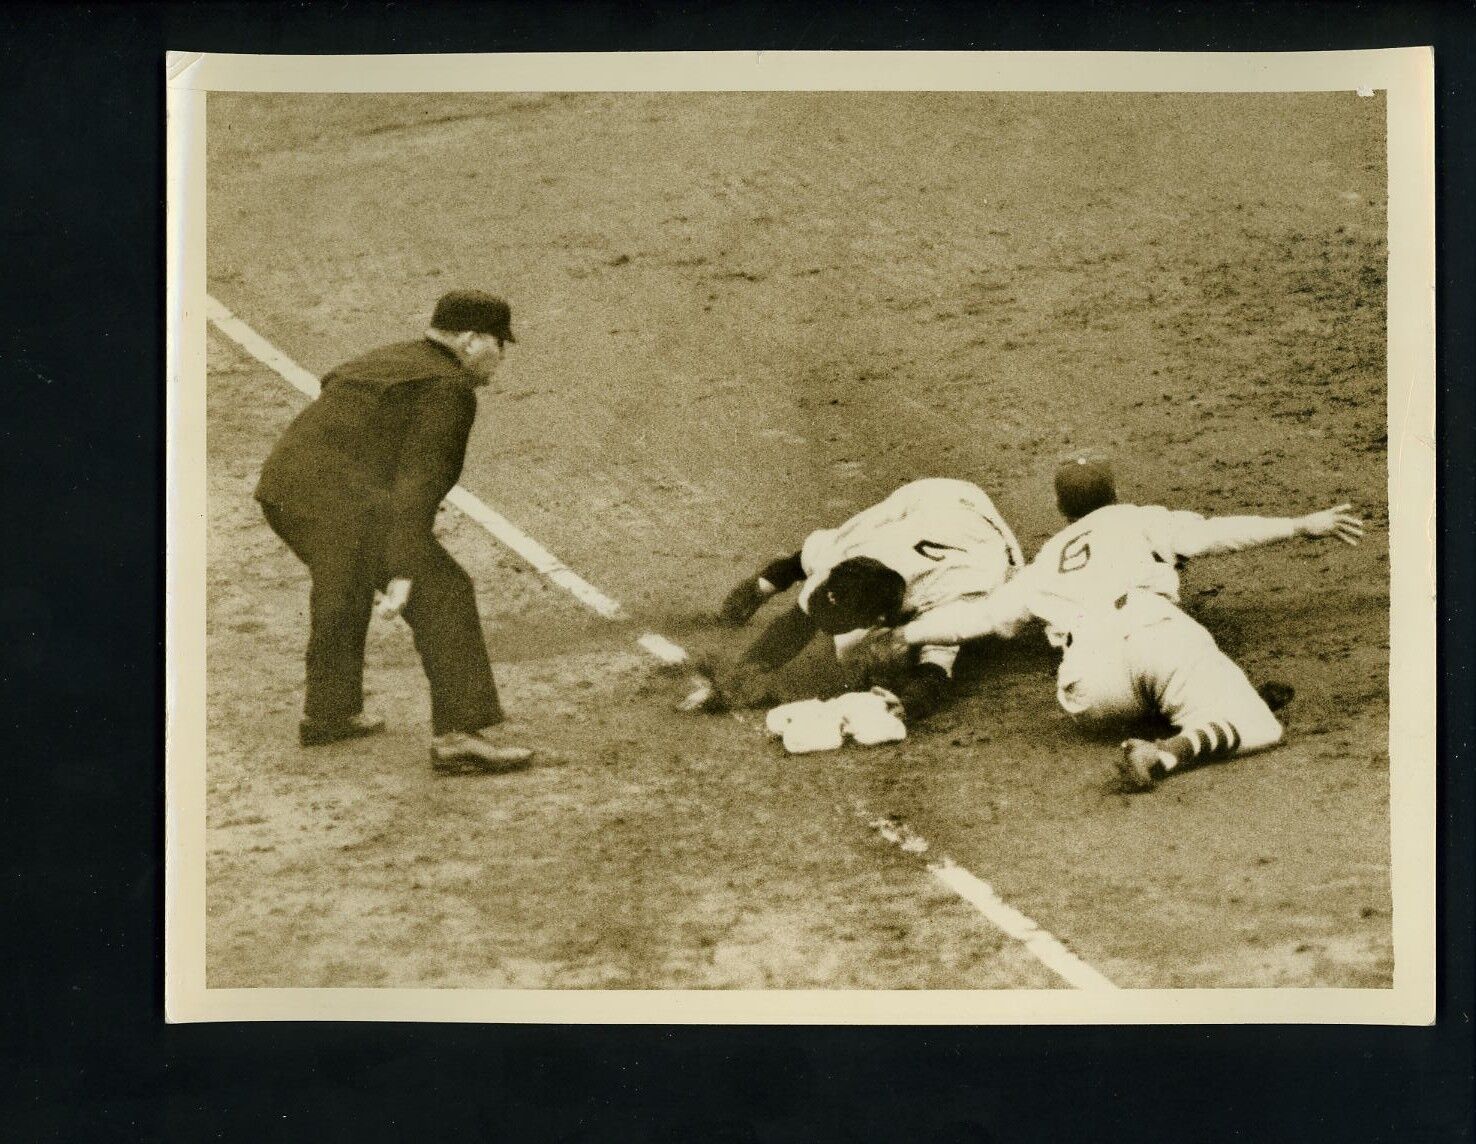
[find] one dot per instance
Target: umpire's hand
(392, 602)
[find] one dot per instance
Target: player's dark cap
(1083, 486)
(857, 593)
(473, 310)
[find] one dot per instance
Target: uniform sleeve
(783, 573)
(817, 550)
(430, 464)
(1195, 535)
(782, 640)
(999, 613)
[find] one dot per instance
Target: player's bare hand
(1337, 522)
(392, 602)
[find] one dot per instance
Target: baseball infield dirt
(741, 317)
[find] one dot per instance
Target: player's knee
(438, 595)
(1245, 732)
(1261, 733)
(1093, 707)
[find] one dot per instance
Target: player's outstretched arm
(1336, 522)
(749, 595)
(880, 652)
(719, 686)
(922, 691)
(1000, 613)
(781, 641)
(1195, 535)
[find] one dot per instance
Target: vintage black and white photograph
(916, 542)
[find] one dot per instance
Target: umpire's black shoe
(318, 732)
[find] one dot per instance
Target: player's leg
(341, 603)
(1216, 712)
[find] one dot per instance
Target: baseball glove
(879, 655)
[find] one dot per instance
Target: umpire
(353, 487)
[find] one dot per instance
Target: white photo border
(1406, 75)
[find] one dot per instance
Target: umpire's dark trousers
(346, 560)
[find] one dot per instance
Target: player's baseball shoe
(319, 732)
(1276, 695)
(1141, 765)
(467, 752)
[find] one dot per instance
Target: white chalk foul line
(1047, 949)
(978, 893)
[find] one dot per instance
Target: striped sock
(1207, 743)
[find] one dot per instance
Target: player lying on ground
(930, 543)
(1107, 587)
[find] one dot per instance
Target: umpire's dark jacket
(384, 441)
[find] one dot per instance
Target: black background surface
(87, 1055)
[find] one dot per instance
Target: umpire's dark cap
(473, 310)
(1083, 486)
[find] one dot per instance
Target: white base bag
(869, 717)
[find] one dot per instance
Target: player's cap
(858, 593)
(473, 310)
(1083, 486)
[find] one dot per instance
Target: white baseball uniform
(1107, 588)
(944, 537)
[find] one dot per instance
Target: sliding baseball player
(930, 543)
(1107, 589)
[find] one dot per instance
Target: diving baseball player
(1107, 589)
(930, 543)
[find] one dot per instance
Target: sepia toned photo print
(802, 538)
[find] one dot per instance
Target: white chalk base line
(978, 893)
